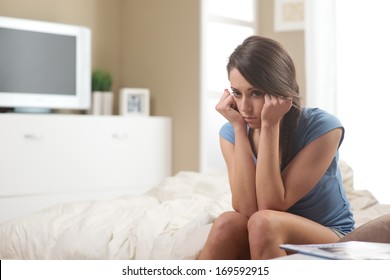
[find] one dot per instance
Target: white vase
(107, 103)
(102, 103)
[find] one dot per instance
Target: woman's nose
(245, 105)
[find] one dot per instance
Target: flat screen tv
(44, 65)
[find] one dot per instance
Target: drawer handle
(119, 136)
(32, 136)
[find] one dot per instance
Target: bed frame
(51, 159)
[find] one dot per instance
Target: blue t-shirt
(326, 203)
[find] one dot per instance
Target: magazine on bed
(351, 250)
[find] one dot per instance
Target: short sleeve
(227, 132)
(318, 122)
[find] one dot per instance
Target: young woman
(282, 161)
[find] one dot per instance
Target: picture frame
(134, 101)
(289, 15)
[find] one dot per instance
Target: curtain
(348, 58)
(320, 55)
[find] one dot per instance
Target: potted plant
(102, 96)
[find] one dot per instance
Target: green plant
(101, 80)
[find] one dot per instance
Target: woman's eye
(236, 94)
(258, 93)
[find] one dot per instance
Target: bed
(170, 221)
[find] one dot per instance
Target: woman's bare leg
(267, 229)
(228, 238)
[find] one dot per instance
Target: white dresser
(49, 159)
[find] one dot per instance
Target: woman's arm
(239, 159)
(241, 169)
(280, 190)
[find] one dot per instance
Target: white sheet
(169, 222)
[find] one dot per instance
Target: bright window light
(363, 94)
(222, 39)
(225, 24)
(233, 9)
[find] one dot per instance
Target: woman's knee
(264, 223)
(265, 233)
(229, 223)
(231, 219)
(228, 238)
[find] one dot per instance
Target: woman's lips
(249, 119)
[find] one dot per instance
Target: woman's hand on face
(274, 109)
(227, 107)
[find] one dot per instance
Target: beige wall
(161, 52)
(153, 44)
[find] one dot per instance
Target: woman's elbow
(267, 205)
(244, 210)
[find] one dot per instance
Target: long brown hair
(265, 64)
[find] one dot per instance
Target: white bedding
(169, 222)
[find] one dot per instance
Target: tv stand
(50, 159)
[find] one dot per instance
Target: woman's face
(249, 100)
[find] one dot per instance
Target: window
(363, 93)
(347, 74)
(225, 24)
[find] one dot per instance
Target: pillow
(377, 230)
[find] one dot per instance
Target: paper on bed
(351, 250)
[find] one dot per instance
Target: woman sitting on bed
(282, 161)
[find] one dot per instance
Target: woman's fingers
(224, 102)
(275, 107)
(277, 100)
(225, 94)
